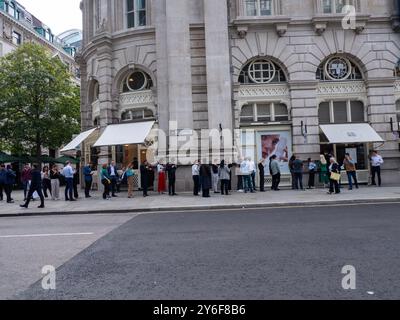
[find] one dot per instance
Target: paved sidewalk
(187, 201)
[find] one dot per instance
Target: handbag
(335, 176)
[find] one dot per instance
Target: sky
(58, 15)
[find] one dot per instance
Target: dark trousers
(145, 188)
(46, 186)
(376, 171)
(240, 183)
(298, 181)
(225, 187)
(8, 190)
(88, 186)
(25, 184)
(334, 186)
(352, 175)
(1, 191)
(206, 192)
(30, 194)
(311, 179)
(113, 185)
(106, 191)
(196, 183)
(293, 180)
(171, 186)
(69, 187)
(253, 180)
(262, 182)
(276, 180)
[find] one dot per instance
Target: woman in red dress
(162, 185)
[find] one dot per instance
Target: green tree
(39, 103)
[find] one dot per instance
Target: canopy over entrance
(125, 134)
(350, 133)
(74, 144)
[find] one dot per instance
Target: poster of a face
(275, 143)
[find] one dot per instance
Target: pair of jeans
(298, 181)
(171, 186)
(8, 190)
(25, 184)
(352, 175)
(69, 188)
(114, 181)
(376, 171)
(253, 180)
(46, 187)
(311, 179)
(2, 187)
(106, 192)
(247, 183)
(215, 179)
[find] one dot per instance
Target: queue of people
(217, 177)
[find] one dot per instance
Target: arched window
(137, 80)
(345, 111)
(261, 71)
(264, 112)
(338, 68)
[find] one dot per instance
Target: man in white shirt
(196, 177)
(68, 174)
(113, 173)
(376, 163)
(246, 175)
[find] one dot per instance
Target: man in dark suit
(36, 185)
(113, 173)
(171, 171)
(145, 177)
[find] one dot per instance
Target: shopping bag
(335, 176)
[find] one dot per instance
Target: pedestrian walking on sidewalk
(246, 175)
(275, 172)
(68, 174)
(261, 172)
(171, 173)
(145, 173)
(291, 160)
(35, 186)
(312, 167)
(105, 181)
(196, 177)
(46, 181)
(253, 172)
(9, 183)
(376, 163)
(224, 174)
(130, 174)
(350, 167)
(215, 176)
(162, 179)
(88, 177)
(26, 177)
(334, 170)
(205, 174)
(113, 175)
(298, 174)
(323, 171)
(3, 175)
(55, 183)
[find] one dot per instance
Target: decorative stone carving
(341, 88)
(242, 32)
(320, 28)
(281, 29)
(263, 91)
(136, 98)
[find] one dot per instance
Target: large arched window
(136, 80)
(264, 112)
(261, 71)
(338, 68)
(344, 111)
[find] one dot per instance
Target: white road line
(47, 235)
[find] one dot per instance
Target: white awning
(125, 134)
(74, 144)
(350, 133)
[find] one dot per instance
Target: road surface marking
(47, 235)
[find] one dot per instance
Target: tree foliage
(39, 103)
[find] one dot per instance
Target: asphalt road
(285, 253)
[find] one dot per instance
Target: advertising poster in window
(277, 143)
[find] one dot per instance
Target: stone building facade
(18, 26)
(276, 69)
